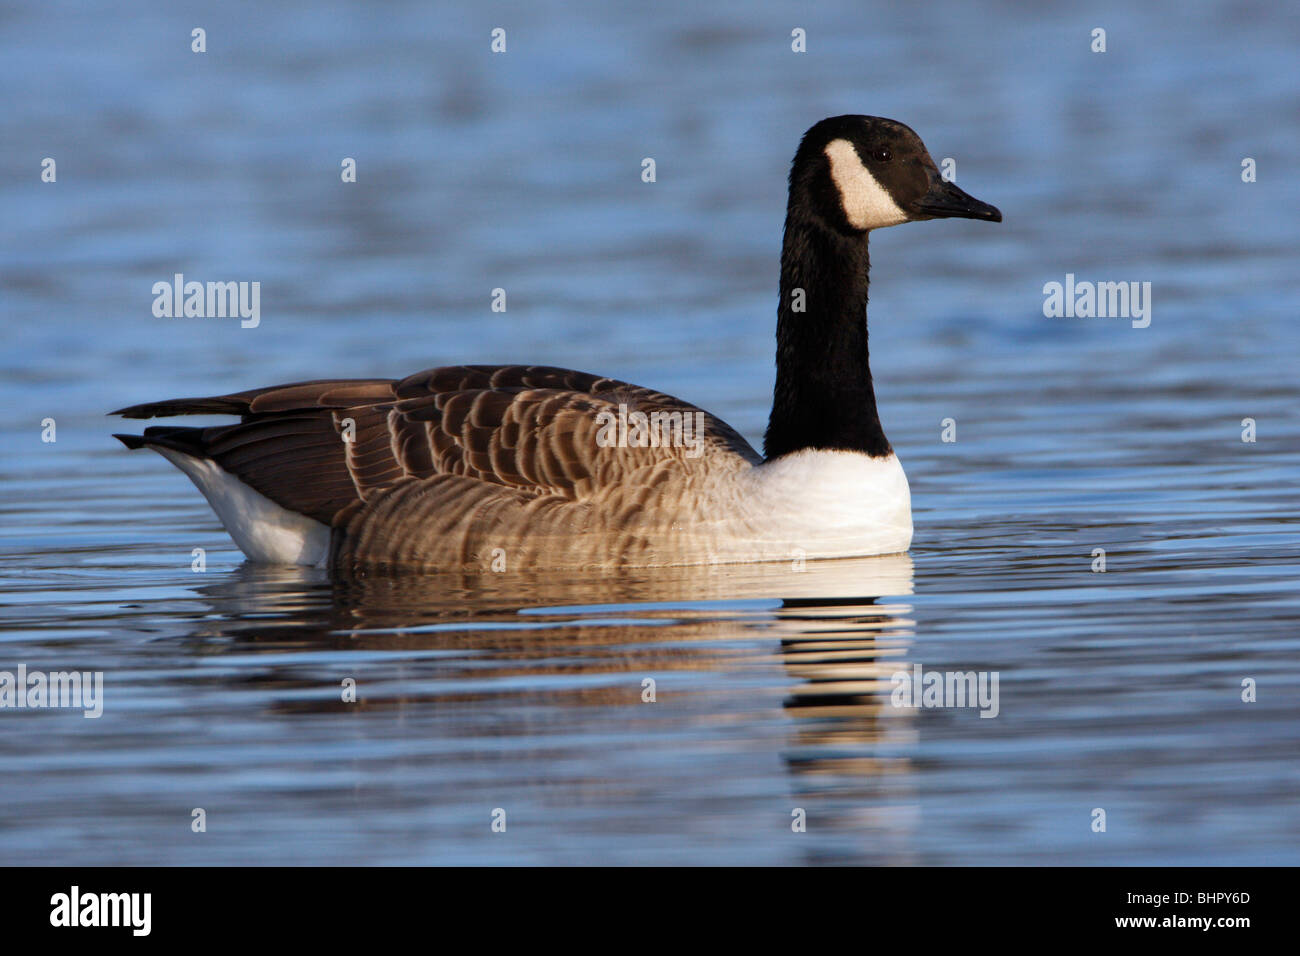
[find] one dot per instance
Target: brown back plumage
(431, 469)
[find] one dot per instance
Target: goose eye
(881, 154)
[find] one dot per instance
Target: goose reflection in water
(809, 652)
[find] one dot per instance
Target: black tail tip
(134, 411)
(131, 441)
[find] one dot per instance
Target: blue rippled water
(1120, 691)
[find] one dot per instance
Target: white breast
(819, 504)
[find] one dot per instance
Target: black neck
(823, 397)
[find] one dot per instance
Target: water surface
(1119, 690)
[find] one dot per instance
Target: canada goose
(514, 466)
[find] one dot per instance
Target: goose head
(858, 173)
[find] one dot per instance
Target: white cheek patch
(867, 204)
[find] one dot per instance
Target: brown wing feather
(299, 396)
(423, 455)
